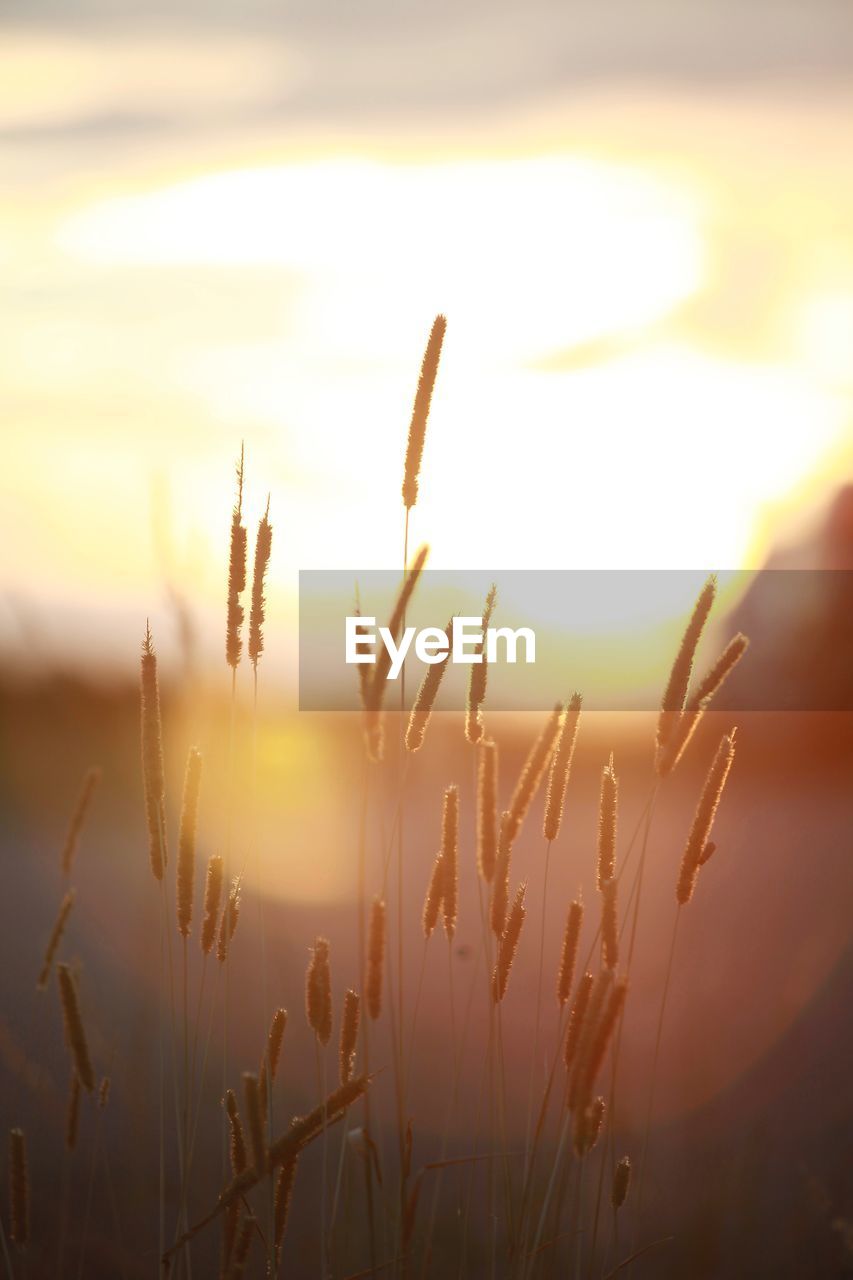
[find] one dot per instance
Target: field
(447, 992)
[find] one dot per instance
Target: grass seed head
(212, 895)
(376, 940)
(318, 991)
(349, 1035)
(561, 765)
(420, 411)
(569, 953)
(263, 547)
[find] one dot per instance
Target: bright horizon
(661, 320)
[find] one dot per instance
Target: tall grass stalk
(543, 1109)
(606, 1146)
(534, 1064)
(638, 1220)
(365, 1022)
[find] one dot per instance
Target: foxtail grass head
(422, 709)
(610, 923)
(608, 802)
(621, 1183)
(420, 411)
(434, 897)
(531, 774)
(569, 953)
(236, 576)
(675, 693)
(699, 847)
(152, 758)
(318, 991)
(228, 922)
(263, 547)
(376, 942)
(508, 945)
(75, 1033)
(212, 896)
(349, 1035)
(54, 940)
(697, 704)
(561, 764)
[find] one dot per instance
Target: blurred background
(228, 223)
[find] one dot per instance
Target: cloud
(96, 70)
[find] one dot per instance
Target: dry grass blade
(561, 765)
(75, 1034)
(186, 841)
(55, 938)
(78, 819)
(420, 411)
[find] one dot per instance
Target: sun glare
(291, 302)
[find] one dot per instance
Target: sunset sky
(223, 224)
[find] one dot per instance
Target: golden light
(579, 421)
